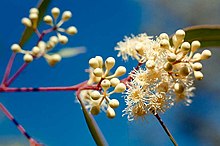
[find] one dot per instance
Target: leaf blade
(208, 35)
(93, 127)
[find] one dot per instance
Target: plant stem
(16, 74)
(8, 68)
(166, 129)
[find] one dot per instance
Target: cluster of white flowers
(96, 100)
(167, 76)
(42, 48)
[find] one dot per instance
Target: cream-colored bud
(114, 82)
(66, 15)
(139, 48)
(54, 59)
(26, 21)
(95, 110)
(113, 103)
(206, 54)
(197, 66)
(71, 30)
(16, 48)
(164, 36)
(195, 45)
(100, 61)
(54, 39)
(164, 44)
(171, 57)
(95, 95)
(121, 70)
(55, 12)
(197, 56)
(93, 62)
(150, 64)
(62, 39)
(105, 84)
(162, 87)
(184, 71)
(120, 88)
(42, 45)
(98, 72)
(33, 16)
(168, 66)
(109, 63)
(185, 46)
(110, 113)
(34, 11)
(28, 58)
(198, 75)
(48, 19)
(179, 87)
(180, 34)
(35, 50)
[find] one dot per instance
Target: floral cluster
(96, 100)
(43, 48)
(168, 73)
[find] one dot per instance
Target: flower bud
(26, 21)
(110, 113)
(168, 66)
(121, 70)
(35, 50)
(180, 34)
(179, 88)
(95, 95)
(164, 36)
(194, 46)
(71, 30)
(62, 39)
(54, 39)
(54, 59)
(105, 84)
(120, 88)
(34, 11)
(109, 63)
(113, 103)
(48, 19)
(171, 57)
(66, 15)
(93, 62)
(197, 66)
(98, 72)
(114, 82)
(198, 75)
(164, 44)
(55, 12)
(162, 87)
(184, 71)
(16, 48)
(197, 56)
(28, 58)
(100, 61)
(150, 64)
(206, 54)
(95, 110)
(185, 46)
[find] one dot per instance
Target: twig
(166, 129)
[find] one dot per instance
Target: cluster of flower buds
(97, 99)
(42, 48)
(181, 58)
(168, 74)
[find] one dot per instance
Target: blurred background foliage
(55, 119)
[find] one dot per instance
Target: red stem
(16, 74)
(8, 68)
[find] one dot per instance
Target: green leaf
(42, 6)
(208, 35)
(70, 52)
(93, 127)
